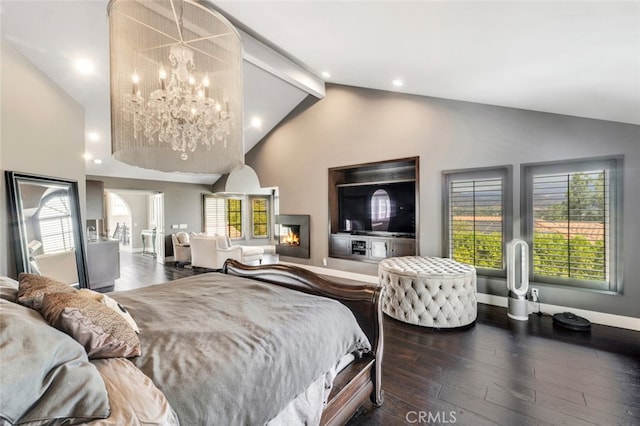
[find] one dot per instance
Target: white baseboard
(602, 318)
(593, 316)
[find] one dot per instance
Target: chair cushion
(222, 242)
(251, 251)
(182, 237)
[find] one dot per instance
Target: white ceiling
(578, 58)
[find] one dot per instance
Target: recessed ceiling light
(87, 156)
(256, 122)
(97, 161)
(84, 66)
(94, 136)
(397, 82)
(326, 74)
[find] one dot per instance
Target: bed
(269, 344)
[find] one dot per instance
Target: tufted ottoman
(428, 291)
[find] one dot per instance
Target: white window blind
(55, 225)
(214, 215)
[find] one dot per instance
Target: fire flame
(291, 239)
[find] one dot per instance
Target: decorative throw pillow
(46, 376)
(33, 288)
(110, 303)
(102, 332)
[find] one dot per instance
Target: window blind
(214, 216)
(475, 213)
(55, 225)
(571, 222)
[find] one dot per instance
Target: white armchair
(181, 248)
(211, 252)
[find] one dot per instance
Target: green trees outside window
(260, 217)
(571, 214)
(234, 217)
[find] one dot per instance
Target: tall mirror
(45, 220)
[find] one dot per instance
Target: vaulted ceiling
(573, 58)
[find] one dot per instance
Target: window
(54, 219)
(223, 216)
(234, 217)
(260, 217)
(571, 222)
(214, 216)
(477, 218)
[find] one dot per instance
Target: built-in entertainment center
(373, 209)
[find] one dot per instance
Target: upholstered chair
(181, 248)
(210, 251)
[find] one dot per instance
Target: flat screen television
(378, 209)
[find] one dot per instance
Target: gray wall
(42, 132)
(353, 125)
(182, 202)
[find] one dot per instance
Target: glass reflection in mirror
(380, 210)
(46, 227)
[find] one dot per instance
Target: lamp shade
(176, 87)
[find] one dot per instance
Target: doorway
(136, 219)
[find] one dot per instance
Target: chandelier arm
(178, 20)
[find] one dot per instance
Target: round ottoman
(428, 291)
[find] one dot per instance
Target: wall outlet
(534, 294)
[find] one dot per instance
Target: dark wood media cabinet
(370, 248)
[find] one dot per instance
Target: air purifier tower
(518, 279)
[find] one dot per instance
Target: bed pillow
(110, 303)
(134, 397)
(46, 375)
(102, 332)
(33, 288)
(8, 289)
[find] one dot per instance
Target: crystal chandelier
(180, 112)
(185, 119)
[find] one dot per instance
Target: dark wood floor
(499, 371)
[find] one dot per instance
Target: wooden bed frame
(363, 377)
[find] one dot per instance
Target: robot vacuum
(571, 321)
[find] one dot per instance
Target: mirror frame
(16, 222)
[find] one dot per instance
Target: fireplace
(292, 235)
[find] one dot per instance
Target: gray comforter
(232, 351)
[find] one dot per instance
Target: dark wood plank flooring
(498, 372)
